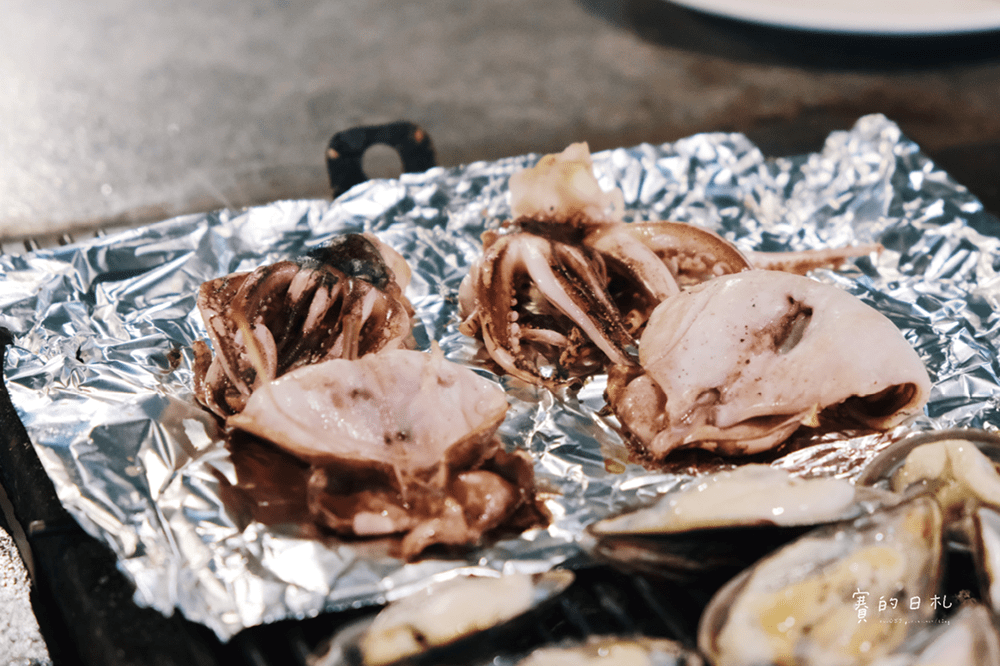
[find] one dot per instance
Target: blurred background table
(122, 112)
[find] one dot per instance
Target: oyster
(752, 494)
(739, 363)
(956, 466)
(725, 521)
(956, 470)
(440, 616)
(400, 443)
(986, 554)
(615, 651)
(342, 300)
(813, 601)
(967, 638)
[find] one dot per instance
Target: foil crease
(101, 369)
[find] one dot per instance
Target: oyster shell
(729, 519)
(753, 494)
(440, 615)
(967, 638)
(957, 466)
(986, 554)
(615, 651)
(808, 603)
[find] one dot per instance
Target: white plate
(895, 17)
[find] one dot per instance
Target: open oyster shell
(969, 638)
(811, 602)
(986, 554)
(442, 616)
(615, 651)
(720, 523)
(958, 466)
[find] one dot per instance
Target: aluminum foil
(101, 370)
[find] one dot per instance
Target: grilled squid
(565, 287)
(400, 444)
(343, 300)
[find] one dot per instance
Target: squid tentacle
(567, 278)
(298, 312)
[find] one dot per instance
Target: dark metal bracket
(347, 148)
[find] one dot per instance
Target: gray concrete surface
(119, 111)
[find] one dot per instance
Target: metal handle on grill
(346, 149)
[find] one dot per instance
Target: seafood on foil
(384, 441)
(342, 300)
(813, 601)
(715, 525)
(565, 287)
(935, 276)
(399, 444)
(823, 570)
(449, 615)
(738, 363)
(955, 470)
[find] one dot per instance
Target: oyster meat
(818, 600)
(400, 443)
(740, 362)
(959, 475)
(752, 494)
(440, 615)
(956, 466)
(725, 521)
(615, 651)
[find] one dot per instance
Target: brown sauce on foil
(274, 487)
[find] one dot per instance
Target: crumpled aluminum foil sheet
(101, 370)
